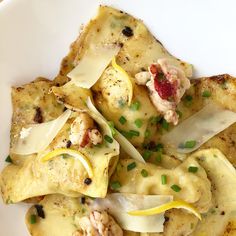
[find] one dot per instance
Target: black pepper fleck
(68, 144)
(127, 31)
(40, 211)
(121, 45)
(82, 200)
(167, 219)
(87, 181)
(38, 117)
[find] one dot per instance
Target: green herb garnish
(33, 219)
(135, 106)
(108, 139)
(165, 124)
(206, 94)
(134, 133)
(126, 134)
(154, 120)
(188, 100)
(144, 173)
(193, 169)
(175, 188)
(8, 159)
(138, 123)
(147, 154)
(190, 144)
(163, 179)
(131, 166)
(122, 120)
(115, 185)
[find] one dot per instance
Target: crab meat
(83, 131)
(175, 76)
(142, 78)
(165, 92)
(98, 224)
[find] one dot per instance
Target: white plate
(36, 34)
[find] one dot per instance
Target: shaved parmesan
(39, 136)
(118, 204)
(199, 128)
(124, 143)
(92, 65)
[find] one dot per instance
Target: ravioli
(137, 52)
(222, 90)
(60, 175)
(32, 103)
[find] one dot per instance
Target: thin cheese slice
(124, 143)
(199, 128)
(118, 204)
(92, 65)
(39, 136)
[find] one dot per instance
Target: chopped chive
(115, 185)
(147, 154)
(33, 219)
(163, 179)
(206, 94)
(159, 147)
(138, 123)
(165, 124)
(175, 188)
(8, 159)
(152, 146)
(126, 134)
(188, 100)
(135, 106)
(154, 120)
(193, 169)
(131, 166)
(122, 120)
(180, 114)
(112, 127)
(108, 139)
(147, 133)
(190, 144)
(134, 133)
(144, 173)
(158, 158)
